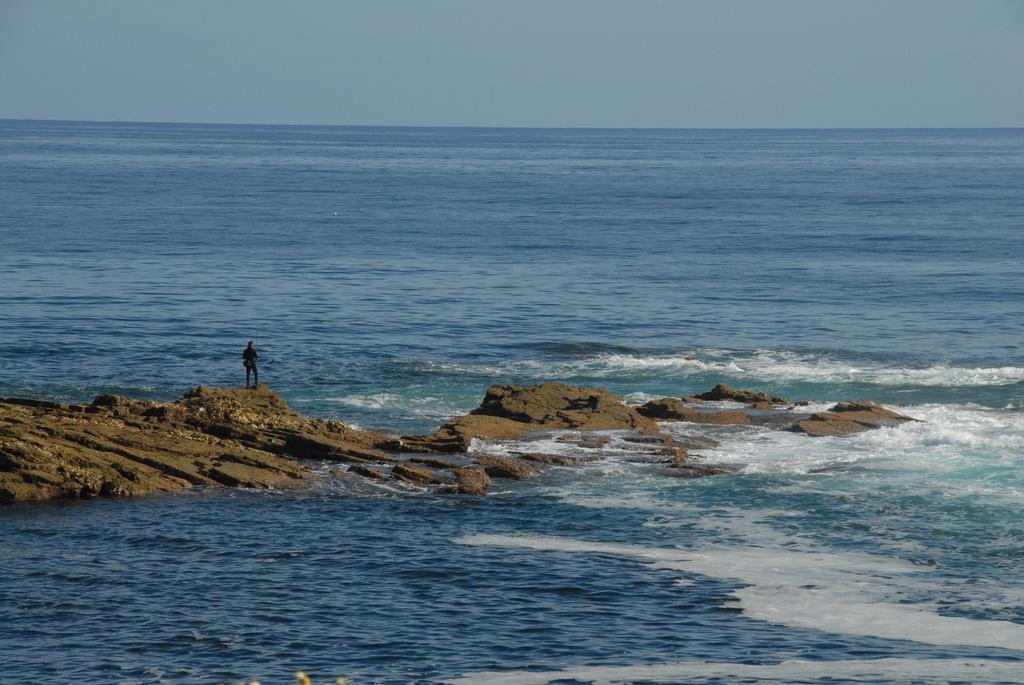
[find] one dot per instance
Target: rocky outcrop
(212, 436)
(251, 438)
(850, 417)
(671, 409)
(757, 400)
(554, 405)
(510, 411)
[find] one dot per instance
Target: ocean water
(390, 275)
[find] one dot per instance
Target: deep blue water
(390, 275)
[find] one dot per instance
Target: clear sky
(615, 63)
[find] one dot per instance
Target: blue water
(390, 275)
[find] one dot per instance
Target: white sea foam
(377, 400)
(759, 365)
(952, 451)
(561, 443)
(639, 397)
(786, 366)
(872, 670)
(429, 407)
(838, 592)
(946, 438)
(959, 426)
(604, 364)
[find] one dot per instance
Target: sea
(388, 276)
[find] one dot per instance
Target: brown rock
(680, 457)
(39, 404)
(667, 408)
(555, 405)
(505, 467)
(510, 411)
(308, 445)
(472, 480)
(438, 443)
(723, 392)
(671, 409)
(850, 417)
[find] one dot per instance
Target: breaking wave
(776, 366)
(760, 365)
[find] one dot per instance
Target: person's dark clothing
(249, 361)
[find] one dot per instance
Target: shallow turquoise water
(391, 275)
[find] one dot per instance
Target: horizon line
(518, 127)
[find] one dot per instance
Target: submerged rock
(679, 457)
(417, 475)
(590, 441)
(435, 463)
(663, 439)
(850, 417)
(695, 442)
(367, 472)
(545, 458)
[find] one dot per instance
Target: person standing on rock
(249, 361)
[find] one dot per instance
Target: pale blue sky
(663, 63)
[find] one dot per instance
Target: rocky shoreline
(251, 438)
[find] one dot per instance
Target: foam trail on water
(872, 670)
(838, 592)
